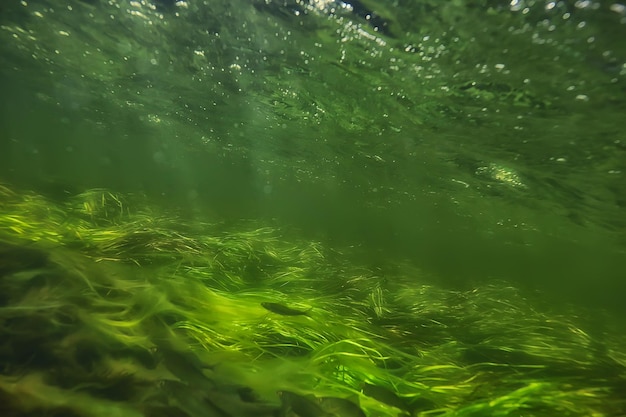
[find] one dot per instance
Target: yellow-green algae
(109, 305)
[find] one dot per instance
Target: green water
(473, 141)
(479, 139)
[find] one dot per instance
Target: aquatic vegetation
(282, 309)
(109, 306)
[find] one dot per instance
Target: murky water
(474, 141)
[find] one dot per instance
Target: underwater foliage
(112, 307)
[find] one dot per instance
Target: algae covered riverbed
(312, 208)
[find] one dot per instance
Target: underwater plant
(111, 307)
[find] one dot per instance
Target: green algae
(93, 311)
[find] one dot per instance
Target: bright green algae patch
(110, 306)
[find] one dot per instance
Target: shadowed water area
(312, 208)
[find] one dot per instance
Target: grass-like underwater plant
(110, 306)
